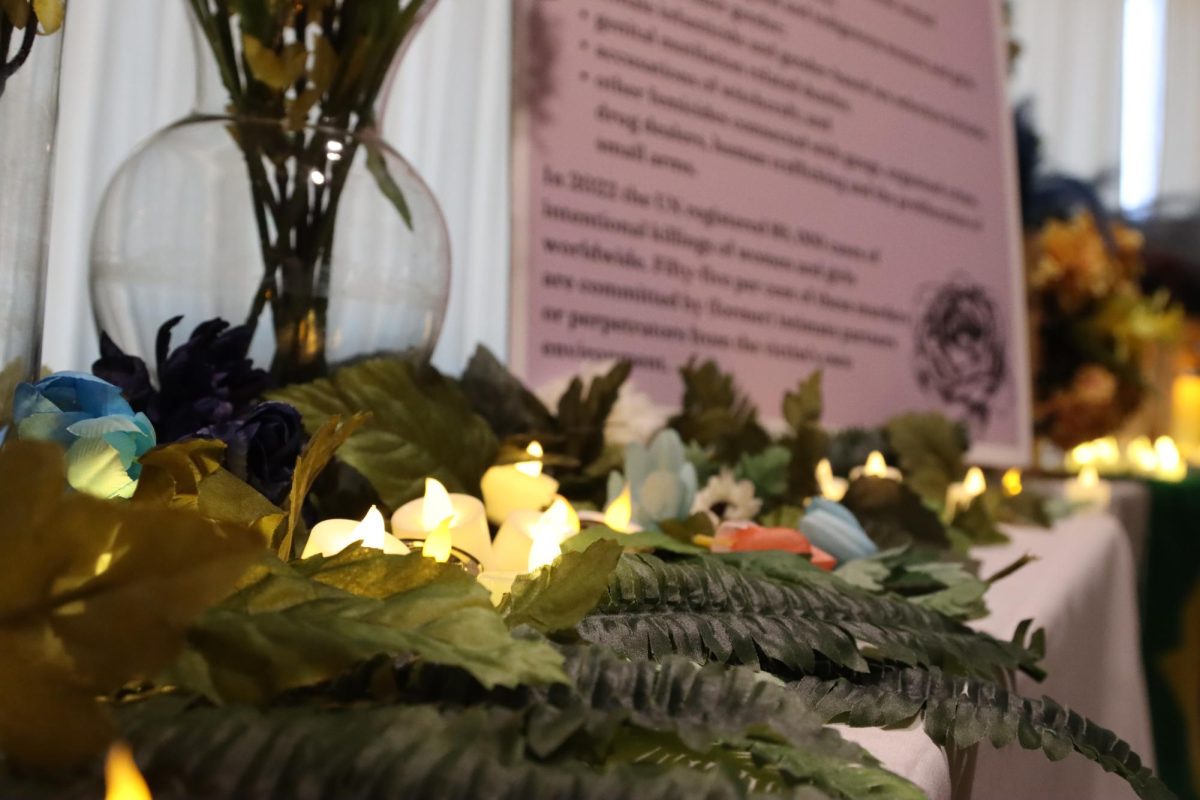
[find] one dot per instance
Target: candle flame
(371, 530)
(832, 488)
(438, 542)
(121, 776)
(975, 484)
(1107, 452)
(548, 533)
(1089, 477)
(619, 513)
(1013, 485)
(876, 466)
(1170, 460)
(532, 468)
(437, 506)
(1082, 456)
(1142, 455)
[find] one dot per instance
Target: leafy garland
(236, 670)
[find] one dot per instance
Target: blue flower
(662, 482)
(833, 528)
(89, 417)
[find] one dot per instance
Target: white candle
(468, 526)
(960, 496)
(333, 536)
(1088, 489)
(1171, 466)
(876, 467)
(529, 540)
(832, 487)
(618, 516)
(518, 487)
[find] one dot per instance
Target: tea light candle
(1142, 457)
(438, 543)
(618, 516)
(498, 583)
(333, 536)
(1013, 485)
(1107, 454)
(1088, 489)
(518, 487)
(1185, 414)
(529, 540)
(959, 496)
(1171, 466)
(467, 525)
(832, 487)
(876, 467)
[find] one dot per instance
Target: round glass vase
(319, 235)
(29, 81)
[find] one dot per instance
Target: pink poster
(781, 186)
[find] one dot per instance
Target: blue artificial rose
(661, 480)
(833, 528)
(89, 417)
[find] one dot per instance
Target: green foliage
(421, 426)
(296, 625)
(583, 413)
(717, 415)
(965, 711)
(806, 405)
(557, 598)
(930, 449)
(976, 525)
(644, 540)
(769, 471)
(809, 443)
(497, 396)
(922, 576)
(893, 515)
(93, 595)
(317, 455)
(762, 610)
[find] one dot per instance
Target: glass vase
(293, 217)
(29, 81)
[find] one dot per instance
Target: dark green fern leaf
(709, 611)
(965, 711)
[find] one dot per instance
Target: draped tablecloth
(1083, 591)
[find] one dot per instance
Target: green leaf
(421, 426)
(809, 445)
(643, 540)
(377, 166)
(316, 456)
(783, 517)
(93, 595)
(583, 413)
(893, 515)
(977, 524)
(497, 396)
(965, 711)
(294, 626)
(805, 406)
(557, 598)
(768, 471)
(717, 415)
(931, 450)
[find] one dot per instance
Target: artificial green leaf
(809, 445)
(294, 627)
(930, 449)
(378, 167)
(326, 440)
(893, 515)
(93, 595)
(557, 597)
(977, 524)
(805, 405)
(717, 415)
(583, 412)
(497, 396)
(1030, 509)
(420, 427)
(768, 471)
(783, 517)
(685, 531)
(643, 540)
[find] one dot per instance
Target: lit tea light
(1081, 456)
(1171, 466)
(1106, 454)
(960, 496)
(1088, 489)
(122, 779)
(876, 467)
(438, 542)
(1142, 457)
(518, 487)
(832, 487)
(1013, 483)
(333, 536)
(617, 515)
(529, 540)
(467, 524)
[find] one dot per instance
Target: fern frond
(965, 711)
(709, 611)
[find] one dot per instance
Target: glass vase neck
(212, 92)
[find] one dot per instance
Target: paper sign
(781, 186)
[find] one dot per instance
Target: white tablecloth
(1083, 592)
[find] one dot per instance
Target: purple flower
(262, 447)
(206, 381)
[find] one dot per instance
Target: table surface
(1082, 590)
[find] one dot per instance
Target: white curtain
(1070, 67)
(128, 71)
(1181, 123)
